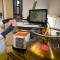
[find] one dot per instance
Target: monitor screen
(38, 16)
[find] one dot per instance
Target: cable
(55, 22)
(49, 24)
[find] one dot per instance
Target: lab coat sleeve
(8, 30)
(2, 44)
(1, 23)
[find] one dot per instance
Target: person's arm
(10, 28)
(5, 21)
(1, 23)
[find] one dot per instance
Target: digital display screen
(19, 42)
(38, 16)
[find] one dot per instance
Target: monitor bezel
(38, 21)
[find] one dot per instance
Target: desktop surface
(25, 23)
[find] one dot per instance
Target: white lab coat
(2, 42)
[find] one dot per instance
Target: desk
(20, 24)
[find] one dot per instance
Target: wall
(54, 7)
(1, 9)
(28, 4)
(8, 8)
(8, 13)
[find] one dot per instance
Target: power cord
(48, 24)
(55, 22)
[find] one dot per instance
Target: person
(3, 51)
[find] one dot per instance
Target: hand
(13, 22)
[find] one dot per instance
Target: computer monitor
(38, 16)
